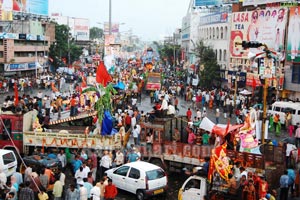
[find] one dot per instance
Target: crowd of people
(87, 169)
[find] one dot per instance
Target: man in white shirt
(85, 170)
(171, 110)
(105, 163)
(95, 192)
(119, 160)
(164, 106)
(62, 157)
(83, 191)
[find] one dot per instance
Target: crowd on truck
(82, 174)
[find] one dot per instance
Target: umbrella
(245, 92)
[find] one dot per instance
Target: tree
(96, 33)
(166, 52)
(210, 72)
(59, 50)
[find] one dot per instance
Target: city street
(175, 180)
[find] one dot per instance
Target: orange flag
(102, 76)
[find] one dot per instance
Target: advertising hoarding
(38, 7)
(214, 18)
(207, 2)
(264, 26)
(6, 7)
(114, 27)
(259, 2)
(81, 29)
(293, 44)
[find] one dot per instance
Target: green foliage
(60, 48)
(104, 102)
(96, 33)
(166, 52)
(210, 75)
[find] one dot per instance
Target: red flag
(16, 94)
(253, 83)
(102, 76)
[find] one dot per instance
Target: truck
(176, 155)
(17, 133)
(153, 81)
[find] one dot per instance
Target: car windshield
(155, 174)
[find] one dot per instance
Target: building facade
(24, 46)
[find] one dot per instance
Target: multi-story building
(270, 22)
(24, 45)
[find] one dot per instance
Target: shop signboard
(293, 44)
(9, 36)
(19, 66)
(265, 26)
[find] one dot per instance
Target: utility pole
(266, 85)
(109, 22)
(267, 52)
(174, 51)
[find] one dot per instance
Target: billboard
(214, 18)
(293, 44)
(81, 29)
(114, 27)
(264, 26)
(207, 2)
(6, 10)
(259, 2)
(38, 7)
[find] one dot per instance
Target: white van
(8, 162)
(282, 107)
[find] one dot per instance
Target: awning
(219, 129)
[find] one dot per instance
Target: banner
(253, 80)
(264, 26)
(82, 29)
(293, 53)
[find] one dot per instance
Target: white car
(140, 178)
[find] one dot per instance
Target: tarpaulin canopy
(219, 129)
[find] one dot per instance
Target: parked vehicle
(64, 133)
(141, 178)
(42, 160)
(8, 162)
(194, 188)
(282, 107)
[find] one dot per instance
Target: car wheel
(140, 195)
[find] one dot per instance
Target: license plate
(158, 191)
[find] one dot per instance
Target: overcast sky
(149, 19)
